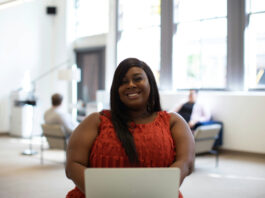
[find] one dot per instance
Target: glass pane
(199, 54)
(92, 17)
(256, 51)
(190, 10)
(257, 5)
(143, 44)
(139, 28)
(138, 14)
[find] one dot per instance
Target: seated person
(55, 115)
(192, 111)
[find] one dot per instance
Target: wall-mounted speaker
(51, 10)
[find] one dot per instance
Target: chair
(205, 137)
(55, 136)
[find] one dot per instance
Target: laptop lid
(132, 182)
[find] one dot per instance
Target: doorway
(92, 65)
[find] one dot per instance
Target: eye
(138, 78)
(124, 81)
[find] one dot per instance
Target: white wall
(31, 40)
(243, 115)
(19, 52)
(108, 40)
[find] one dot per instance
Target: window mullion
(235, 44)
(166, 44)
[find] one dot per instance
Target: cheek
(120, 92)
(148, 87)
(147, 90)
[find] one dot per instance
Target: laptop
(132, 182)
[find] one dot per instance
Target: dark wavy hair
(119, 113)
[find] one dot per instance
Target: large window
(255, 44)
(200, 44)
(213, 45)
(139, 32)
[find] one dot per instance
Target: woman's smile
(133, 95)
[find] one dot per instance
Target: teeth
(131, 95)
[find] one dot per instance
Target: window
(139, 32)
(255, 44)
(200, 44)
(92, 17)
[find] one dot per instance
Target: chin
(135, 106)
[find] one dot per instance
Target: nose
(131, 84)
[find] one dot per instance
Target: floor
(238, 175)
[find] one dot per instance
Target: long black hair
(119, 115)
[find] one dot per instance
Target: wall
(31, 40)
(90, 42)
(242, 114)
(19, 52)
(108, 40)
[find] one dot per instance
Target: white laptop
(132, 182)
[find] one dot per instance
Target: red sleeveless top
(153, 141)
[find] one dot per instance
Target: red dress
(153, 141)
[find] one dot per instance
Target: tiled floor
(238, 175)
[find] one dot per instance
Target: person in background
(135, 132)
(192, 111)
(55, 115)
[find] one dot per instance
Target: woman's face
(134, 90)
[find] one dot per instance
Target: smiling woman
(135, 132)
(135, 89)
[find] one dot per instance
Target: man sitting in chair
(197, 114)
(55, 115)
(192, 111)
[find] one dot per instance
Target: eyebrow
(137, 74)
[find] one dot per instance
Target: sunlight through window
(255, 44)
(139, 32)
(199, 44)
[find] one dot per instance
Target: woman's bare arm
(184, 141)
(79, 147)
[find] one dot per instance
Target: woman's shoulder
(92, 119)
(96, 116)
(87, 129)
(175, 118)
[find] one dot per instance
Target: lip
(133, 95)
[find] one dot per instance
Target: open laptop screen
(132, 182)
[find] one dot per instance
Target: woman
(134, 133)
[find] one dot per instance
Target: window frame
(237, 21)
